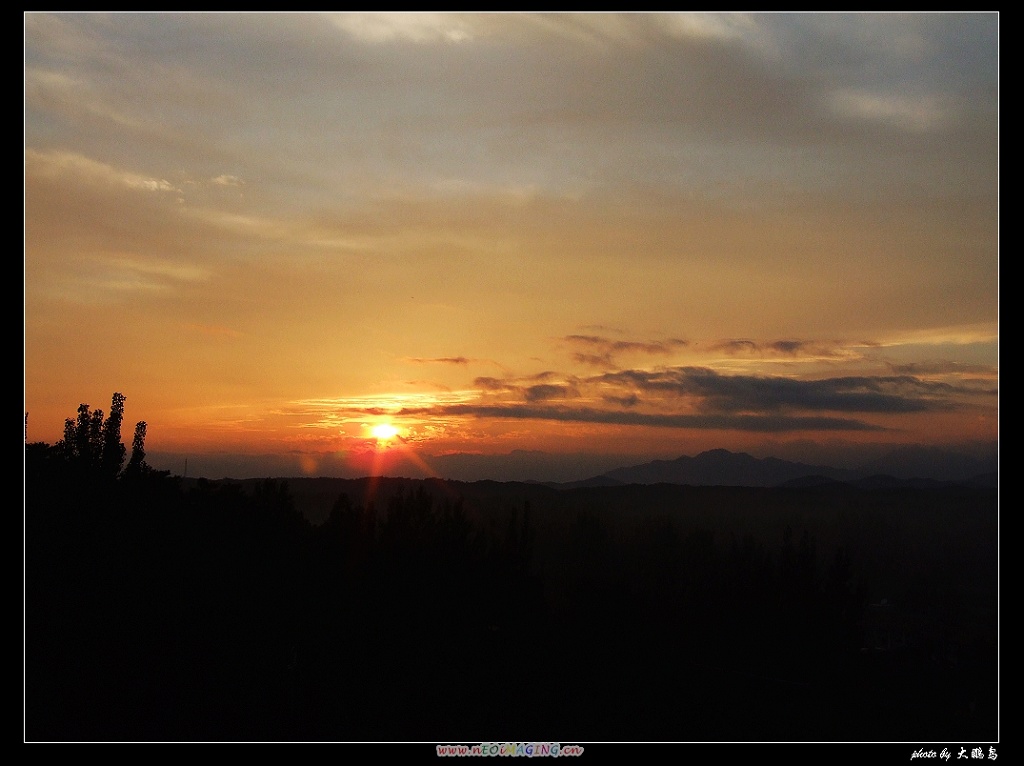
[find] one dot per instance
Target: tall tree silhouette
(112, 456)
(137, 462)
(81, 431)
(93, 444)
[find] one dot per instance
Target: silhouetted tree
(93, 445)
(83, 441)
(80, 432)
(66, 446)
(137, 462)
(112, 455)
(95, 450)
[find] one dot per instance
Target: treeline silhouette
(159, 609)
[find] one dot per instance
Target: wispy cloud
(489, 383)
(226, 180)
(545, 391)
(73, 167)
(914, 113)
(528, 390)
(600, 351)
(730, 393)
(402, 26)
(942, 367)
(787, 349)
(741, 422)
(457, 360)
(957, 335)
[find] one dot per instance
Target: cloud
(545, 391)
(707, 390)
(921, 113)
(97, 280)
(72, 98)
(458, 360)
(428, 384)
(942, 367)
(958, 335)
(402, 26)
(544, 375)
(531, 393)
(154, 268)
(741, 422)
(713, 26)
(491, 384)
(646, 347)
(624, 401)
(735, 346)
(790, 348)
(731, 393)
(595, 360)
(699, 397)
(601, 351)
(72, 167)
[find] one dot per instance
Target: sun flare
(383, 432)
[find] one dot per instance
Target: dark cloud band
(732, 422)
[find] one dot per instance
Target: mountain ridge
(907, 466)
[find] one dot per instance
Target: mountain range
(907, 466)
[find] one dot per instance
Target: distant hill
(720, 467)
(905, 467)
(912, 466)
(920, 461)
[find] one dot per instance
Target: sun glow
(384, 432)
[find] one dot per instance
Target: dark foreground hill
(472, 612)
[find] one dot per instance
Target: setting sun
(384, 432)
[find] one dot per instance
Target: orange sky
(617, 235)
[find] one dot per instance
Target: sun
(384, 432)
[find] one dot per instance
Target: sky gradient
(606, 238)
